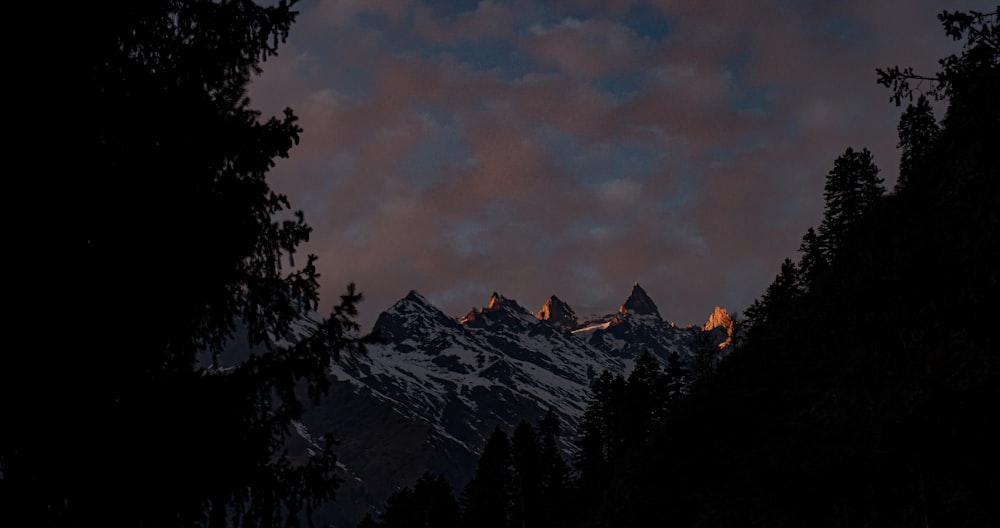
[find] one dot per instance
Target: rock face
(638, 303)
(719, 317)
(721, 326)
(429, 394)
(558, 314)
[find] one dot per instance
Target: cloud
(573, 147)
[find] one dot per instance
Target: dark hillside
(871, 398)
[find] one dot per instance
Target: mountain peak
(414, 296)
(719, 317)
(639, 303)
(558, 314)
(721, 324)
(496, 302)
(412, 310)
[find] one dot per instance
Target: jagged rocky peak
(471, 316)
(558, 314)
(720, 324)
(500, 303)
(719, 318)
(639, 303)
(496, 302)
(499, 308)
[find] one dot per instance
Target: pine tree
(600, 429)
(813, 262)
(644, 403)
(706, 355)
(918, 131)
(154, 241)
(486, 501)
(429, 504)
(852, 188)
(528, 477)
(555, 473)
(777, 303)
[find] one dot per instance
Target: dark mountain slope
(873, 401)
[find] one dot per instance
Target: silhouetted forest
(866, 390)
(141, 237)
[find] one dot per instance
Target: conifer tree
(644, 402)
(852, 188)
(555, 473)
(918, 131)
(600, 428)
(778, 300)
(706, 355)
(174, 244)
(429, 504)
(813, 262)
(527, 492)
(486, 501)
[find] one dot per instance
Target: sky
(573, 147)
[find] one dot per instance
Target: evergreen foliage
(777, 302)
(599, 430)
(555, 477)
(488, 500)
(115, 415)
(519, 482)
(918, 131)
(852, 189)
(813, 261)
(429, 504)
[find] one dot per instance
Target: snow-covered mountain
(430, 393)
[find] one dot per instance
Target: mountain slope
(427, 396)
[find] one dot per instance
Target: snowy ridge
(455, 376)
(430, 392)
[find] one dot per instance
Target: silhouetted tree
(600, 430)
(706, 355)
(965, 79)
(918, 131)
(151, 220)
(644, 403)
(555, 473)
(429, 504)
(528, 485)
(777, 302)
(813, 261)
(487, 500)
(852, 188)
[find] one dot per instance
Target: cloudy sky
(573, 147)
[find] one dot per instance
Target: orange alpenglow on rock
(495, 303)
(720, 319)
(558, 314)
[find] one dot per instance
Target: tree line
(523, 480)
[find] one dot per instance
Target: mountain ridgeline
(434, 388)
